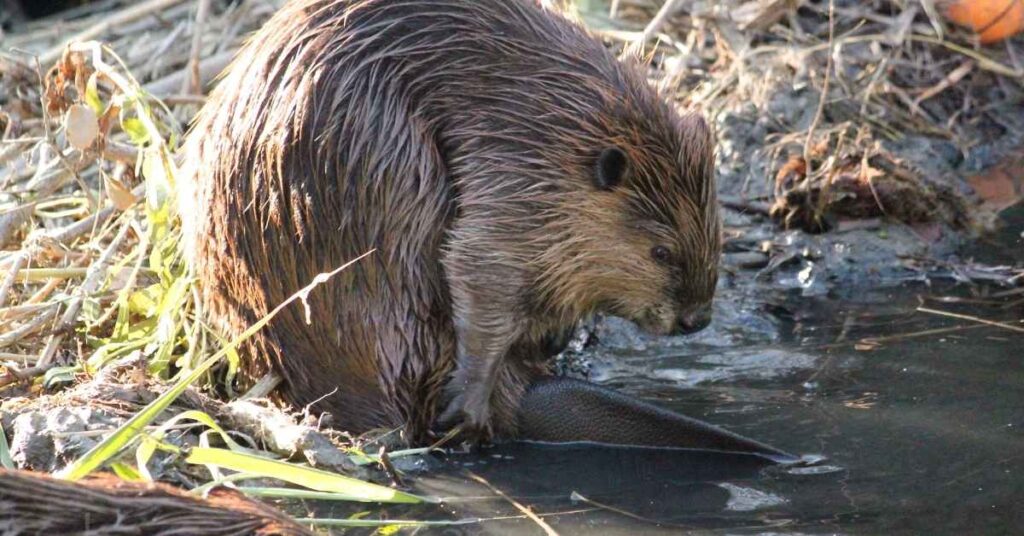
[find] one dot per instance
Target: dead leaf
(81, 126)
(1002, 185)
(120, 195)
(792, 172)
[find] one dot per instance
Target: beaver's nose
(693, 321)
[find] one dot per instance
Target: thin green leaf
(111, 351)
(146, 301)
(328, 522)
(157, 171)
(60, 375)
(143, 453)
(234, 360)
(92, 95)
(151, 442)
(128, 431)
(136, 131)
(204, 442)
(112, 444)
(205, 419)
(361, 458)
(299, 475)
(297, 494)
(165, 342)
(202, 491)
(126, 472)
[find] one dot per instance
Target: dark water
(923, 434)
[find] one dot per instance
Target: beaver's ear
(612, 168)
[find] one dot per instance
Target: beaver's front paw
(471, 414)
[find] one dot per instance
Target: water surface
(923, 432)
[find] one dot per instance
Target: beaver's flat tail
(563, 410)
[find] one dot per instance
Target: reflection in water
(669, 487)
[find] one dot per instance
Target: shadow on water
(923, 429)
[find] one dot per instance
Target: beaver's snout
(693, 321)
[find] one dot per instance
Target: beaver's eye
(612, 168)
(661, 254)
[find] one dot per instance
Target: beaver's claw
(471, 417)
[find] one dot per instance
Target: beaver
(510, 177)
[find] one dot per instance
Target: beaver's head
(641, 236)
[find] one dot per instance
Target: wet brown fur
(458, 139)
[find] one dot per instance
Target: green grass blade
(297, 494)
(328, 522)
(152, 442)
(128, 431)
(116, 441)
(203, 490)
(362, 458)
(303, 476)
(126, 472)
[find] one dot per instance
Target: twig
(64, 235)
(984, 62)
(922, 333)
(193, 82)
(13, 376)
(16, 335)
(809, 141)
(580, 498)
(142, 248)
(519, 506)
(208, 69)
(120, 152)
(548, 514)
(173, 100)
(95, 276)
(14, 312)
(19, 261)
(47, 180)
(106, 23)
(639, 40)
(659, 19)
(972, 319)
(950, 80)
(263, 387)
(934, 18)
(744, 206)
(389, 468)
(25, 359)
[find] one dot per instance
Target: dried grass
(877, 72)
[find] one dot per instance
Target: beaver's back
(347, 126)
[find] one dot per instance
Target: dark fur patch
(612, 168)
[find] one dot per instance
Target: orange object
(993, 20)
